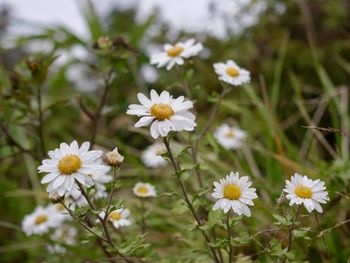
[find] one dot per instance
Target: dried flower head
(114, 158)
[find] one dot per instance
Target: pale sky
(190, 15)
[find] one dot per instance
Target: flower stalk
(177, 169)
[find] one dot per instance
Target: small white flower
(62, 236)
(164, 113)
(302, 190)
(234, 192)
(40, 221)
(100, 181)
(151, 157)
(231, 73)
(149, 73)
(175, 54)
(74, 198)
(69, 163)
(118, 217)
(230, 137)
(60, 210)
(114, 158)
(144, 190)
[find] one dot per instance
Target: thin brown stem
(83, 225)
(88, 228)
(102, 102)
(177, 169)
(12, 142)
(213, 113)
(333, 227)
(195, 143)
(41, 123)
(103, 222)
(104, 226)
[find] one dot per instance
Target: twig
(333, 227)
(98, 112)
(104, 226)
(88, 228)
(11, 141)
(195, 144)
(41, 123)
(83, 225)
(83, 108)
(213, 113)
(328, 129)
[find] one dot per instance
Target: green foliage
(300, 66)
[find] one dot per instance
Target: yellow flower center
(232, 192)
(175, 51)
(162, 111)
(303, 191)
(230, 134)
(40, 219)
(115, 215)
(142, 190)
(232, 72)
(69, 164)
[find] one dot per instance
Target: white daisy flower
(231, 73)
(302, 190)
(152, 156)
(234, 192)
(176, 54)
(230, 137)
(164, 113)
(60, 210)
(144, 190)
(62, 235)
(40, 221)
(69, 163)
(118, 217)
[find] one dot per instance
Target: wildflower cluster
(79, 178)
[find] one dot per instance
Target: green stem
(177, 169)
(143, 217)
(229, 238)
(290, 236)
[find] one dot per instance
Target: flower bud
(114, 158)
(104, 43)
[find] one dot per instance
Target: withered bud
(114, 158)
(55, 198)
(32, 64)
(281, 200)
(104, 42)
